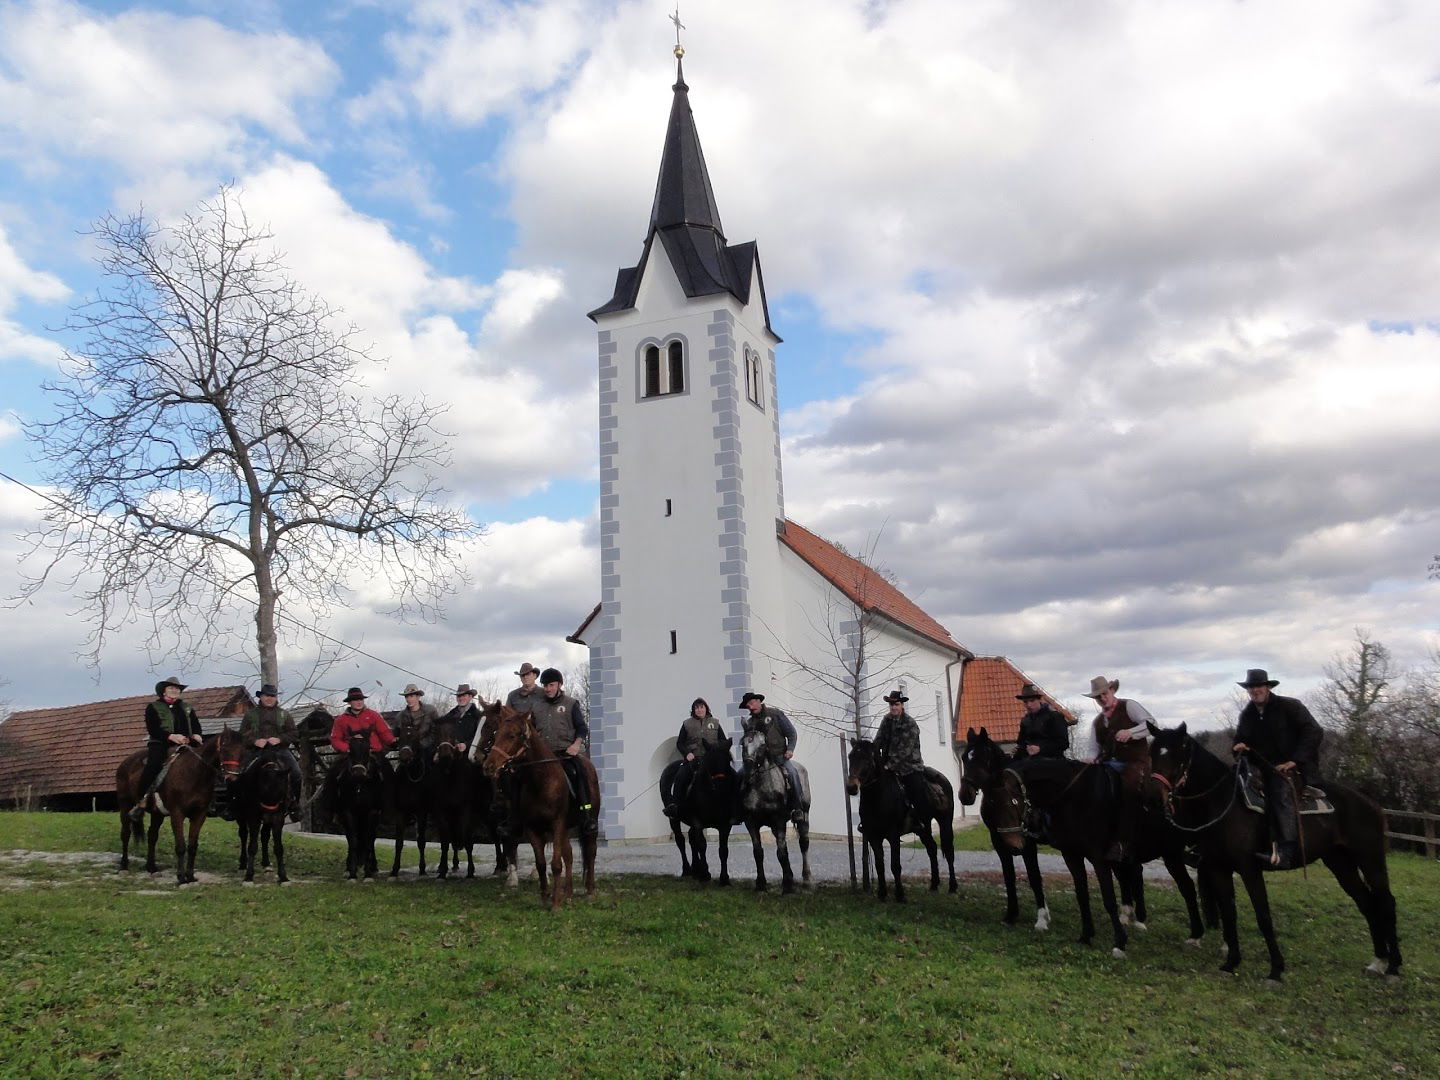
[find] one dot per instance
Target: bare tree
(1351, 704)
(212, 440)
(835, 682)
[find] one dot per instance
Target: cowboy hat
(411, 688)
(1029, 692)
(894, 696)
(464, 688)
(1258, 676)
(171, 681)
(1099, 684)
(749, 696)
(268, 688)
(527, 668)
(354, 694)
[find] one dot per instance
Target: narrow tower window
(669, 508)
(662, 369)
(674, 647)
(752, 377)
(677, 368)
(749, 385)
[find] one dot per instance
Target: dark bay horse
(183, 796)
(488, 812)
(451, 800)
(765, 803)
(261, 798)
(410, 792)
(1080, 815)
(982, 768)
(1203, 800)
(359, 793)
(544, 803)
(885, 815)
(709, 803)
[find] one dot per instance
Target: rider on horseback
(780, 740)
(699, 732)
(357, 719)
(421, 717)
(1283, 740)
(1122, 735)
(265, 725)
(898, 744)
(466, 717)
(1043, 731)
(561, 723)
(169, 721)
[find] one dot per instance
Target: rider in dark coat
(780, 742)
(1043, 730)
(561, 723)
(1282, 740)
(267, 724)
(169, 721)
(898, 745)
(699, 732)
(466, 716)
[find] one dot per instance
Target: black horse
(261, 798)
(358, 782)
(982, 768)
(885, 815)
(1080, 813)
(1203, 798)
(452, 801)
(410, 792)
(709, 803)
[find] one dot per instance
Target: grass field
(109, 974)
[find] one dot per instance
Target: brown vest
(1105, 729)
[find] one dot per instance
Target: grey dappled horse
(764, 802)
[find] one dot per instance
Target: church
(706, 588)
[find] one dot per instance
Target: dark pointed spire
(683, 195)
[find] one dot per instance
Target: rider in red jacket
(357, 719)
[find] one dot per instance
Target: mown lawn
(109, 974)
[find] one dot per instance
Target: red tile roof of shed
(987, 699)
(76, 749)
(863, 585)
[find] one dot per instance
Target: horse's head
(358, 761)
(272, 783)
(864, 766)
(752, 747)
(229, 749)
(512, 735)
(1011, 808)
(715, 760)
(1172, 752)
(490, 714)
(407, 740)
(980, 764)
(446, 748)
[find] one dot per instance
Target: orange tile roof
(76, 749)
(988, 687)
(863, 585)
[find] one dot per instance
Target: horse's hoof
(285, 882)
(1273, 982)
(1192, 942)
(512, 880)
(724, 880)
(1141, 926)
(248, 883)
(954, 887)
(1392, 978)
(1378, 966)
(1125, 915)
(368, 881)
(1118, 953)
(349, 881)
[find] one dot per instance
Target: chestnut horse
(183, 796)
(543, 793)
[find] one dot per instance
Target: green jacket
(263, 723)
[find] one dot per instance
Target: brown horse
(183, 796)
(544, 808)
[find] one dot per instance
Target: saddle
(1252, 795)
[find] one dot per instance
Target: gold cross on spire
(675, 18)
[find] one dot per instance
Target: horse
(261, 798)
(885, 815)
(1079, 825)
(982, 768)
(709, 803)
(544, 802)
(359, 794)
(489, 813)
(1202, 798)
(410, 793)
(765, 803)
(183, 795)
(451, 799)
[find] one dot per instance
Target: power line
(224, 588)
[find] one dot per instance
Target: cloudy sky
(1119, 319)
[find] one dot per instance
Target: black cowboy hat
(171, 681)
(550, 675)
(749, 696)
(1258, 676)
(354, 694)
(894, 696)
(268, 688)
(1029, 692)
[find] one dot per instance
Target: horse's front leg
(931, 849)
(1106, 878)
(420, 823)
(1260, 900)
(722, 842)
(266, 835)
(125, 824)
(754, 831)
(802, 835)
(242, 829)
(699, 865)
(177, 826)
(895, 868)
(537, 847)
(1175, 864)
(443, 827)
(566, 854)
(466, 828)
(782, 853)
(277, 837)
(1076, 864)
(152, 837)
(1031, 858)
(1007, 873)
(1222, 890)
(400, 820)
(876, 844)
(947, 845)
(247, 855)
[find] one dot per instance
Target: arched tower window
(753, 384)
(662, 369)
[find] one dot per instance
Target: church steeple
(683, 195)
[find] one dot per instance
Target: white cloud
(19, 282)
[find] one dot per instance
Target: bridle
(1172, 792)
(1024, 803)
(508, 760)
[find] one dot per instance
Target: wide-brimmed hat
(1099, 684)
(171, 681)
(411, 688)
(354, 694)
(894, 696)
(464, 688)
(1029, 692)
(550, 675)
(749, 696)
(268, 688)
(527, 668)
(1258, 676)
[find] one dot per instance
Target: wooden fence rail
(1428, 821)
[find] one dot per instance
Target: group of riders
(268, 732)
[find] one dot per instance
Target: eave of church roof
(685, 217)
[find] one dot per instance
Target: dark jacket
(1046, 729)
(899, 741)
(779, 732)
(560, 721)
(163, 719)
(697, 733)
(522, 701)
(466, 721)
(263, 723)
(1283, 731)
(422, 723)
